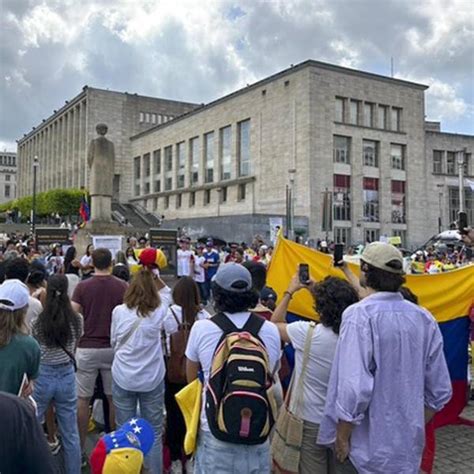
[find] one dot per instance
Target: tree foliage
(64, 202)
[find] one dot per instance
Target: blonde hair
(11, 323)
(142, 293)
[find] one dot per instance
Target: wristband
(288, 293)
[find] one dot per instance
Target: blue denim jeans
(217, 457)
(151, 409)
(57, 384)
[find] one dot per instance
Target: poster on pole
(52, 235)
(111, 242)
(275, 223)
(167, 241)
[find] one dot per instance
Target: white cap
(14, 295)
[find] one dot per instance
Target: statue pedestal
(84, 235)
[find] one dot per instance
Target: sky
(199, 50)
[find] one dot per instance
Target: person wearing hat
(376, 419)
(185, 258)
(19, 353)
(211, 264)
(233, 295)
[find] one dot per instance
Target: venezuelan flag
(448, 296)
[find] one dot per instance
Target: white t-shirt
(138, 364)
(86, 260)
(184, 262)
(199, 271)
(321, 355)
(35, 308)
(205, 336)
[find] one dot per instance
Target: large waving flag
(448, 296)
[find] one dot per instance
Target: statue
(101, 161)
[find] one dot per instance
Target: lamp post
(291, 204)
(461, 178)
(33, 207)
(440, 203)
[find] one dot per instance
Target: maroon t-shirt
(98, 296)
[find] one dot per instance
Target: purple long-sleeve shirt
(389, 365)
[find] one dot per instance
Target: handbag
(288, 435)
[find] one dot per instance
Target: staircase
(133, 215)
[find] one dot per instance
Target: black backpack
(240, 407)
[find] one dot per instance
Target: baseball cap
(268, 294)
(233, 277)
(14, 295)
(152, 258)
(122, 451)
(380, 254)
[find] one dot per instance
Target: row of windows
(368, 114)
(343, 235)
(190, 154)
(370, 152)
(370, 187)
(7, 160)
(222, 197)
(445, 162)
(151, 117)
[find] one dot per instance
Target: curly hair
(332, 296)
(231, 302)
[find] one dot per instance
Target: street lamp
(291, 204)
(461, 154)
(33, 207)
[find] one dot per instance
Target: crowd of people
(365, 381)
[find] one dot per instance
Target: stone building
(224, 168)
(60, 141)
(8, 166)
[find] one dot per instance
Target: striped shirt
(56, 355)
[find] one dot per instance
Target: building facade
(316, 127)
(8, 167)
(60, 142)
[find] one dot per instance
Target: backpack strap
(253, 325)
(224, 323)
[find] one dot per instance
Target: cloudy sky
(198, 50)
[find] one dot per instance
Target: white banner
(111, 242)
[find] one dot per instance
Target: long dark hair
(186, 295)
(58, 320)
(68, 258)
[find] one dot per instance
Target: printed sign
(167, 241)
(111, 242)
(52, 235)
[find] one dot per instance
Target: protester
(233, 295)
(36, 281)
(211, 262)
(86, 262)
(55, 260)
(376, 420)
(331, 297)
(19, 353)
(182, 315)
(23, 447)
(131, 257)
(72, 269)
(19, 269)
(185, 259)
(200, 273)
(121, 271)
(138, 368)
(57, 330)
(95, 298)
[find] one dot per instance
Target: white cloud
(444, 102)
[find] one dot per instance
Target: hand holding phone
(303, 273)
(338, 255)
(462, 222)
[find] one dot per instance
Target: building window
(451, 162)
(467, 160)
(194, 158)
(146, 164)
(342, 197)
(7, 190)
(147, 188)
(157, 186)
(437, 161)
(178, 201)
(371, 199)
(168, 158)
(382, 117)
(371, 235)
(157, 161)
(147, 117)
(339, 112)
(223, 194)
(7, 177)
(342, 235)
(454, 203)
(137, 190)
(241, 192)
(142, 117)
(136, 162)
(368, 114)
(225, 152)
(396, 118)
(207, 197)
(370, 153)
(341, 150)
(153, 118)
(402, 234)
(397, 153)
(168, 184)
(155, 204)
(181, 164)
(244, 147)
(209, 156)
(354, 112)
(192, 199)
(167, 202)
(398, 202)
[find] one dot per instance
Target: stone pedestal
(101, 206)
(84, 236)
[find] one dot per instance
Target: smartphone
(338, 254)
(303, 273)
(462, 222)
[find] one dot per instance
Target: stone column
(217, 156)
(84, 167)
(56, 161)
